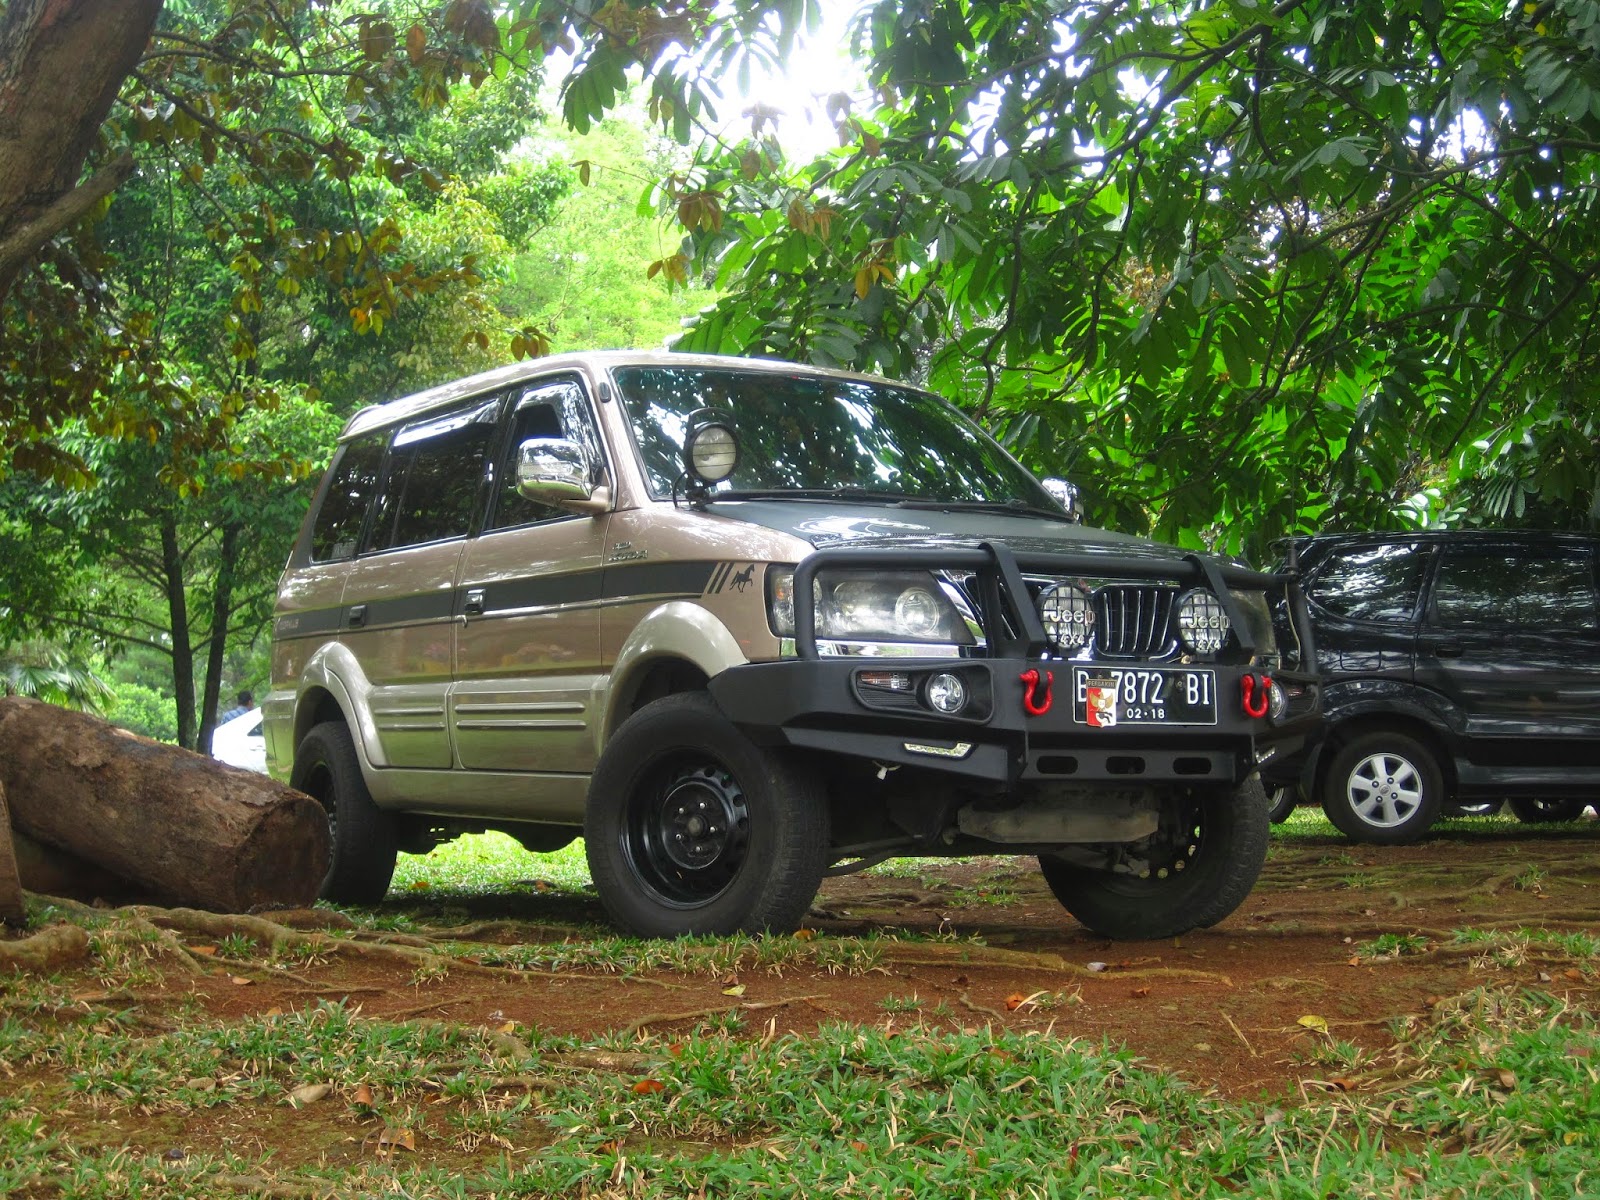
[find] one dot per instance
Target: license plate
(1109, 697)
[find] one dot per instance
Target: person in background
(246, 703)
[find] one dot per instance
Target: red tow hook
(1257, 693)
(1036, 704)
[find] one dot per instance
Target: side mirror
(1066, 495)
(558, 471)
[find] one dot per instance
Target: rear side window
(434, 477)
(355, 482)
(1371, 583)
(1523, 588)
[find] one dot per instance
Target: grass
(1491, 1098)
(491, 864)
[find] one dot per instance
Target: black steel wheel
(363, 837)
(1547, 812)
(1384, 788)
(693, 829)
(1197, 868)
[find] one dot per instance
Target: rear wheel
(1383, 787)
(1281, 802)
(1546, 812)
(693, 829)
(364, 837)
(1199, 866)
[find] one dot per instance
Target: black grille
(1133, 621)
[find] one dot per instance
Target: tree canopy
(1237, 268)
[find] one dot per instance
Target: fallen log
(179, 826)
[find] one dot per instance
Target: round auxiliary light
(1279, 700)
(1202, 622)
(947, 694)
(917, 613)
(1067, 615)
(712, 452)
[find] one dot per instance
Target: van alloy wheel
(1384, 788)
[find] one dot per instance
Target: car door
(398, 612)
(1512, 636)
(1364, 600)
(527, 645)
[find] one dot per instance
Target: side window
(544, 410)
(1371, 583)
(355, 481)
(435, 471)
(1501, 588)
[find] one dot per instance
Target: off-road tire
(691, 828)
(1384, 788)
(1215, 846)
(1547, 812)
(364, 837)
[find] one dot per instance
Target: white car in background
(240, 742)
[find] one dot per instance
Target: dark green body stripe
(622, 581)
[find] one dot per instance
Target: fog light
(1068, 617)
(1202, 622)
(947, 694)
(1279, 700)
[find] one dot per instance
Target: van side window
(1371, 583)
(1512, 588)
(435, 472)
(338, 524)
(545, 410)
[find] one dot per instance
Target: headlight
(1202, 622)
(1068, 616)
(897, 606)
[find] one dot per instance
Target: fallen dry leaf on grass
(1312, 1021)
(649, 1087)
(308, 1093)
(402, 1138)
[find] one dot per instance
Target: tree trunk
(217, 639)
(11, 907)
(62, 63)
(177, 824)
(178, 614)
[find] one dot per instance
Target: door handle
(358, 615)
(473, 607)
(1446, 649)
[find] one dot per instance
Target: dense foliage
(1237, 268)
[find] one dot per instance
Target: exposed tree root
(982, 1008)
(49, 950)
(715, 1010)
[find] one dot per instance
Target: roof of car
(1457, 536)
(598, 362)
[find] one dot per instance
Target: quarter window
(1371, 583)
(1509, 588)
(435, 472)
(344, 506)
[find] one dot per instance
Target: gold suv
(743, 624)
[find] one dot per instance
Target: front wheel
(1546, 812)
(1384, 788)
(693, 829)
(364, 838)
(1196, 869)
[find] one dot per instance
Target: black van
(1459, 668)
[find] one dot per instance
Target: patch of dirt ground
(1222, 1008)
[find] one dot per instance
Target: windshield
(810, 433)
